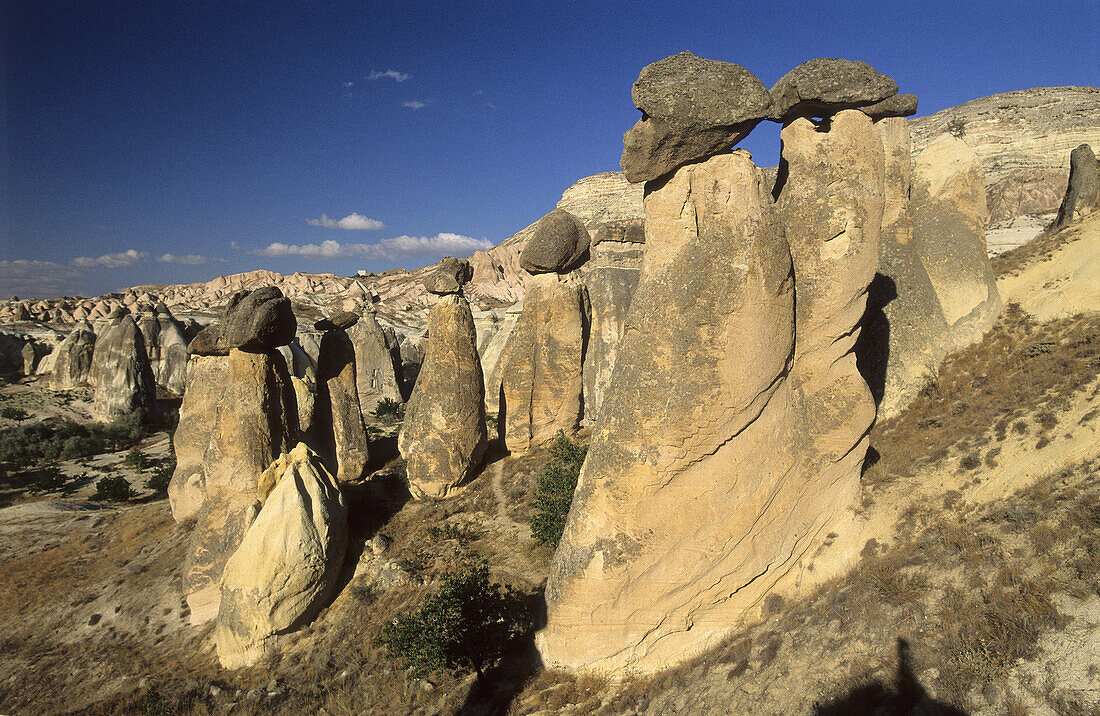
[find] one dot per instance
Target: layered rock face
(715, 412)
(120, 371)
(443, 438)
(948, 206)
(255, 420)
(71, 362)
(288, 561)
(1023, 140)
(542, 367)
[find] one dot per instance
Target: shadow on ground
(905, 698)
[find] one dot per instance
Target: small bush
(13, 413)
(136, 459)
(957, 127)
(47, 479)
(114, 488)
(161, 477)
(554, 492)
(389, 409)
(464, 626)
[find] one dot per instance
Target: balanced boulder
(692, 108)
(559, 243)
(900, 105)
(827, 85)
(288, 561)
(449, 276)
(443, 437)
(260, 320)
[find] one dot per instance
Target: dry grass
(983, 391)
(1011, 263)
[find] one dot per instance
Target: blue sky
(153, 142)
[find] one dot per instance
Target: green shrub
(48, 441)
(957, 127)
(389, 409)
(13, 413)
(136, 459)
(161, 477)
(113, 488)
(555, 485)
(47, 479)
(464, 626)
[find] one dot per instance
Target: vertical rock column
(336, 381)
(120, 371)
(443, 438)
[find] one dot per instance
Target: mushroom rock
(443, 438)
(559, 243)
(900, 105)
(541, 372)
(692, 108)
(449, 276)
(827, 85)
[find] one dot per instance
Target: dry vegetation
(1039, 249)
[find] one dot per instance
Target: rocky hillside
(1023, 139)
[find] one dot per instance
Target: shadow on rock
(906, 698)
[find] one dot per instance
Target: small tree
(464, 626)
(554, 490)
(957, 126)
(114, 488)
(389, 409)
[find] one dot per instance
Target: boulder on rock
(559, 243)
(443, 438)
(826, 85)
(900, 105)
(691, 108)
(288, 561)
(258, 321)
(449, 276)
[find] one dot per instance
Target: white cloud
(388, 74)
(187, 259)
(352, 222)
(121, 259)
(414, 104)
(349, 85)
(36, 279)
(398, 247)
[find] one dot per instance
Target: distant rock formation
(288, 561)
(167, 348)
(443, 438)
(1083, 192)
(1023, 140)
(69, 365)
(378, 371)
(120, 371)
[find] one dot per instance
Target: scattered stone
(559, 244)
(450, 276)
(692, 108)
(379, 544)
(443, 437)
(827, 85)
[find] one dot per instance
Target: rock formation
(559, 243)
(493, 336)
(207, 382)
(691, 108)
(948, 205)
(715, 413)
(827, 85)
(338, 400)
(377, 362)
(443, 438)
(542, 366)
(167, 349)
(288, 561)
(69, 364)
(1083, 191)
(449, 277)
(120, 371)
(900, 105)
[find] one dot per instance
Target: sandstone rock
(542, 367)
(491, 346)
(692, 108)
(443, 438)
(377, 363)
(900, 105)
(826, 85)
(947, 202)
(336, 378)
(288, 561)
(167, 349)
(1023, 140)
(259, 320)
(30, 358)
(623, 232)
(610, 286)
(904, 332)
(256, 421)
(559, 243)
(120, 371)
(449, 277)
(71, 362)
(603, 198)
(206, 384)
(1083, 192)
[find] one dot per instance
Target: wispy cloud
(349, 85)
(352, 222)
(121, 259)
(186, 259)
(36, 279)
(398, 247)
(388, 74)
(415, 104)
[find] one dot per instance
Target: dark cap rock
(900, 105)
(449, 277)
(341, 320)
(558, 243)
(210, 341)
(259, 321)
(827, 85)
(692, 108)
